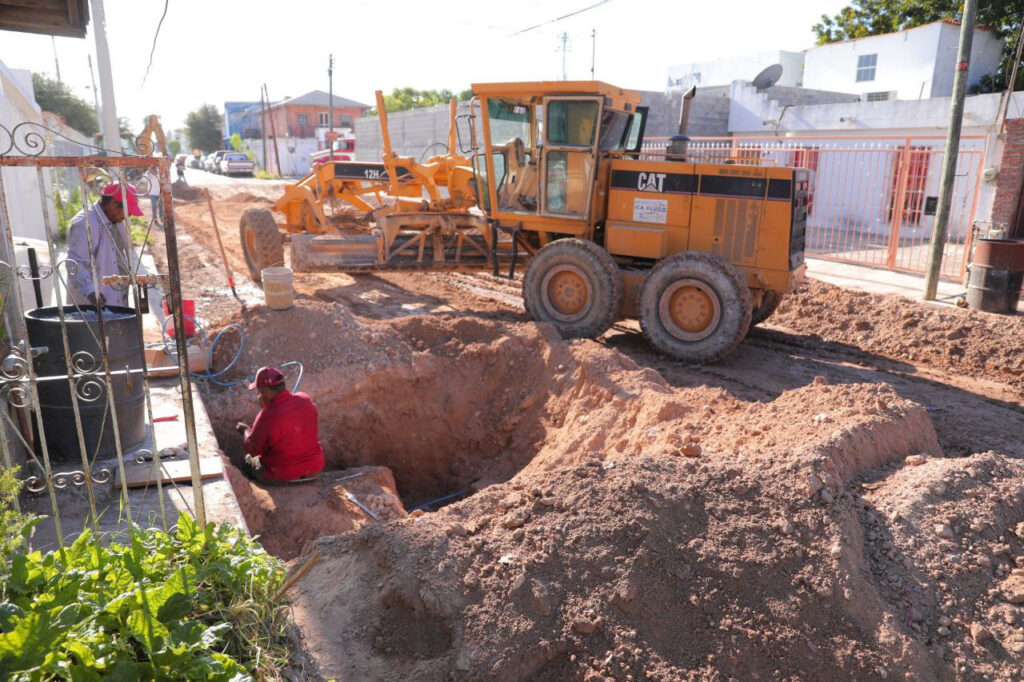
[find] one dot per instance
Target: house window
(324, 121)
(346, 121)
(303, 119)
(866, 67)
(878, 96)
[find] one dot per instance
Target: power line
(155, 36)
(564, 16)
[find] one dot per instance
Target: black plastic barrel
(997, 274)
(55, 394)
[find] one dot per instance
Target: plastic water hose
(215, 377)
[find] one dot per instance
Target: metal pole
(263, 129)
(111, 131)
(273, 132)
(593, 50)
(565, 41)
(330, 104)
(95, 94)
(956, 116)
(56, 62)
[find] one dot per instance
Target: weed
(192, 604)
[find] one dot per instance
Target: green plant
(193, 604)
(13, 524)
(264, 175)
(139, 231)
(67, 208)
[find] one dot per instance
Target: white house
(18, 106)
(917, 63)
(728, 69)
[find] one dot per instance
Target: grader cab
(555, 180)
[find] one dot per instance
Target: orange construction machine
(554, 179)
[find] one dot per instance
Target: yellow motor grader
(555, 180)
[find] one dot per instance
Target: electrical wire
(156, 35)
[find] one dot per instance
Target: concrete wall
(769, 109)
(18, 105)
(709, 112)
(413, 133)
(917, 63)
(294, 154)
(728, 69)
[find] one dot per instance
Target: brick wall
(1011, 172)
(286, 119)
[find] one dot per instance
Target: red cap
(267, 377)
(132, 197)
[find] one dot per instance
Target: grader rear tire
(574, 285)
(261, 241)
(695, 307)
(770, 301)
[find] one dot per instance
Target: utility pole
(956, 116)
(565, 42)
(593, 50)
(108, 122)
(56, 62)
(273, 132)
(330, 104)
(95, 95)
(263, 129)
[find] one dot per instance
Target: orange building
(307, 116)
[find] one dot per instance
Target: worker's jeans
(156, 208)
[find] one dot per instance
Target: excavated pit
(450, 405)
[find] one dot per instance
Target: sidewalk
(146, 505)
(882, 281)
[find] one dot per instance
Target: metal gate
(37, 195)
(872, 199)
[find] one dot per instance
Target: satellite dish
(768, 77)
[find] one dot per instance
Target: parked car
(195, 162)
(236, 163)
(213, 161)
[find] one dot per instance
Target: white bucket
(277, 288)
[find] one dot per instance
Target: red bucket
(188, 306)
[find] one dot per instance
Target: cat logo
(650, 182)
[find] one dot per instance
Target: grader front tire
(261, 241)
(770, 301)
(575, 286)
(695, 307)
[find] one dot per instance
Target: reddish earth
(842, 496)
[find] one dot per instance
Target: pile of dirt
(626, 527)
(961, 341)
(185, 192)
(659, 567)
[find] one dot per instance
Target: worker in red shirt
(282, 445)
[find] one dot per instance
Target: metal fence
(872, 199)
(95, 353)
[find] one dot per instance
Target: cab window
(570, 123)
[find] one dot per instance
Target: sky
(212, 51)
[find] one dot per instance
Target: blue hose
(214, 377)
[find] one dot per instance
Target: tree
(202, 127)
(55, 97)
(174, 147)
(863, 18)
(402, 99)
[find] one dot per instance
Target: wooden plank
(177, 470)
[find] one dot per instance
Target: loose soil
(842, 496)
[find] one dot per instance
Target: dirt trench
(785, 513)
